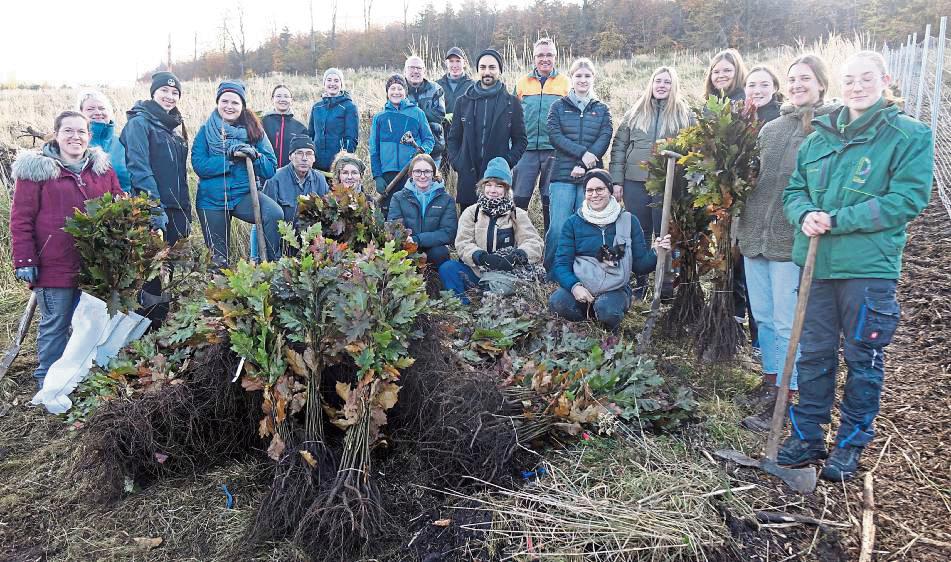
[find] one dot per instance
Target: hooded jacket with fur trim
(44, 196)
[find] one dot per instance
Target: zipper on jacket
(43, 248)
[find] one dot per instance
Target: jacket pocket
(878, 318)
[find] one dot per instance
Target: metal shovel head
(803, 480)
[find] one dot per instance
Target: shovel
(803, 480)
(24, 326)
(645, 336)
(256, 204)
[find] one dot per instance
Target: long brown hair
(821, 72)
(733, 57)
(252, 124)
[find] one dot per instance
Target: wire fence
(921, 67)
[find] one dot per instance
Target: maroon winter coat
(45, 195)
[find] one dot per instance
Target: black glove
(244, 150)
(479, 257)
(498, 263)
(520, 257)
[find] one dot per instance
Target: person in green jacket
(860, 178)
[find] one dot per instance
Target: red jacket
(45, 195)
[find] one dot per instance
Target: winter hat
(599, 173)
(335, 71)
(456, 52)
(345, 159)
(233, 86)
(492, 53)
(396, 79)
(498, 168)
(164, 78)
(302, 141)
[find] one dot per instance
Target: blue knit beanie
(233, 86)
(498, 168)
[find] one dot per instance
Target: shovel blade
(803, 480)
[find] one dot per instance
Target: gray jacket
(763, 229)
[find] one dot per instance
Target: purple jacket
(45, 195)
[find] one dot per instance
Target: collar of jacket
(35, 166)
(571, 103)
(417, 90)
(101, 132)
(334, 100)
(835, 125)
(818, 110)
(289, 115)
(404, 104)
(289, 171)
(537, 76)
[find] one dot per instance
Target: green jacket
(872, 176)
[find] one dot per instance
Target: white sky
(71, 42)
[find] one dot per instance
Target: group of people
(854, 172)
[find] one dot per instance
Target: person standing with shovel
(860, 178)
(231, 135)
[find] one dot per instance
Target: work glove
(159, 218)
(244, 150)
(520, 257)
(498, 263)
(380, 184)
(27, 274)
(478, 257)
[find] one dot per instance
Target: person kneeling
(494, 236)
(600, 247)
(426, 210)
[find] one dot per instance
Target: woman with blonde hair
(102, 128)
(658, 113)
(726, 75)
(579, 127)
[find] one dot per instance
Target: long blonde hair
(676, 114)
(879, 61)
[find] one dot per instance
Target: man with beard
(487, 123)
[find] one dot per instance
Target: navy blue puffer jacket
(573, 132)
(334, 125)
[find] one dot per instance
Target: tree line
(600, 28)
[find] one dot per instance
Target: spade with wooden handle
(803, 480)
(645, 336)
(256, 204)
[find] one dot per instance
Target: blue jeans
(56, 315)
(458, 278)
(865, 313)
(773, 288)
(216, 227)
(608, 308)
(566, 199)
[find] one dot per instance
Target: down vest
(573, 132)
(45, 195)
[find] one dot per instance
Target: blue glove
(159, 218)
(380, 184)
(27, 274)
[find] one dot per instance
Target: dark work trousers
(638, 202)
(534, 166)
(178, 228)
(864, 313)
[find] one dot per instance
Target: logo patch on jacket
(862, 170)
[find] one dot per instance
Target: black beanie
(396, 79)
(492, 53)
(164, 78)
(301, 141)
(599, 173)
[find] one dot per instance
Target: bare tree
(238, 40)
(367, 8)
(333, 24)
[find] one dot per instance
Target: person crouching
(494, 235)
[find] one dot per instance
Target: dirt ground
(44, 516)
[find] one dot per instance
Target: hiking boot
(843, 463)
(796, 453)
(760, 397)
(760, 422)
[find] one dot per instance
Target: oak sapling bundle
(119, 249)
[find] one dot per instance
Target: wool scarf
(605, 216)
(222, 137)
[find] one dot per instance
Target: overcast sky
(114, 41)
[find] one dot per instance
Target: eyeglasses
(866, 82)
(74, 132)
(595, 191)
(422, 173)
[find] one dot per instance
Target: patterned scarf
(496, 207)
